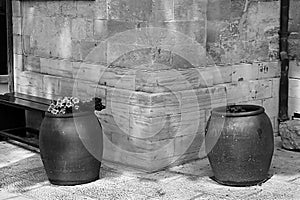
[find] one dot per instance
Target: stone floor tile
(21, 197)
(54, 193)
(17, 185)
(5, 194)
(106, 192)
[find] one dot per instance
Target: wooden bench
(13, 119)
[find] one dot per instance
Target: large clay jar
(71, 147)
(239, 144)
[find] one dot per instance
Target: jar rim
(248, 110)
(69, 115)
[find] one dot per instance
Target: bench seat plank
(20, 101)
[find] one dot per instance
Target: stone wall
(159, 65)
(294, 53)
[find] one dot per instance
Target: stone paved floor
(22, 177)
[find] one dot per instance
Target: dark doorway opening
(3, 38)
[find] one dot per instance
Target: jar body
(242, 148)
(71, 148)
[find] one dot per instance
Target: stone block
(290, 134)
(100, 29)
(294, 87)
(28, 23)
(294, 97)
(244, 72)
(268, 69)
(51, 84)
(88, 72)
(203, 98)
(79, 28)
(294, 69)
(196, 30)
(229, 31)
(249, 90)
(17, 25)
(237, 9)
(214, 54)
(18, 62)
(188, 144)
(159, 36)
(53, 8)
(85, 9)
(190, 10)
(134, 10)
(294, 22)
(16, 8)
(262, 20)
(32, 63)
(294, 48)
(28, 48)
(100, 9)
(28, 8)
(41, 9)
(17, 44)
(56, 67)
(51, 37)
(68, 8)
(33, 81)
(80, 50)
(89, 29)
(218, 9)
(163, 10)
(66, 87)
(293, 106)
(223, 74)
(115, 27)
(85, 90)
(214, 30)
(235, 51)
(189, 54)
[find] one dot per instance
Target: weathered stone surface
(53, 8)
(17, 44)
(18, 62)
(237, 8)
(16, 8)
(56, 67)
(190, 10)
(134, 10)
(51, 37)
(290, 134)
(218, 9)
(32, 63)
(85, 9)
(17, 25)
(79, 28)
(268, 69)
(163, 10)
(68, 8)
(196, 30)
(294, 48)
(100, 29)
(100, 9)
(294, 16)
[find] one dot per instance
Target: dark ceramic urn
(239, 144)
(71, 147)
